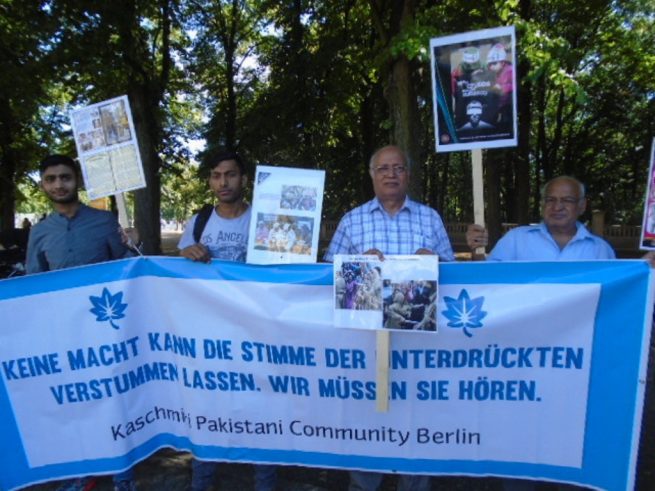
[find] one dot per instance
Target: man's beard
(65, 200)
(233, 198)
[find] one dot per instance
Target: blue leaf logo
(108, 307)
(464, 312)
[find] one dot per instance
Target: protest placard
(107, 148)
(397, 293)
(474, 89)
(286, 215)
(647, 241)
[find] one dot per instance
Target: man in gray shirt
(224, 236)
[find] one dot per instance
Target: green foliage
(306, 83)
(183, 193)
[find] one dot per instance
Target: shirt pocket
(421, 241)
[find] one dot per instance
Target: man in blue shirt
(559, 237)
(73, 235)
(390, 223)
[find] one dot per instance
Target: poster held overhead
(474, 89)
(647, 242)
(107, 148)
(286, 215)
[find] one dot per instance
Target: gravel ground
(169, 470)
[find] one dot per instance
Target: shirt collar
(375, 204)
(80, 211)
(581, 233)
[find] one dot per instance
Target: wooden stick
(478, 192)
(382, 370)
(123, 219)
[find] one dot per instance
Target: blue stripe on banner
(618, 332)
(164, 267)
(307, 274)
(565, 272)
(11, 448)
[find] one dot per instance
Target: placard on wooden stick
(107, 148)
(399, 293)
(473, 89)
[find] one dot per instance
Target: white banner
(145, 353)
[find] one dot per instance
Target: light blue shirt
(534, 243)
(369, 226)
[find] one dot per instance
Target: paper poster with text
(286, 215)
(474, 89)
(397, 293)
(107, 148)
(648, 222)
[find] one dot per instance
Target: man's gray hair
(581, 187)
(371, 162)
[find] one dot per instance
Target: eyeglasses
(566, 201)
(385, 170)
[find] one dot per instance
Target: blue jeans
(202, 475)
(265, 477)
(370, 481)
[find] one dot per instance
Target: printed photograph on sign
(358, 286)
(647, 241)
(88, 126)
(298, 198)
(410, 305)
(107, 148)
(284, 233)
(115, 123)
(474, 90)
(286, 211)
(397, 293)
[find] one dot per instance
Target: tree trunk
(147, 201)
(401, 96)
(146, 91)
(509, 180)
(522, 209)
(553, 154)
(231, 113)
(492, 173)
(7, 168)
(542, 164)
(399, 90)
(444, 183)
(228, 36)
(367, 138)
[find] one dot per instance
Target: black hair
(56, 159)
(213, 160)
